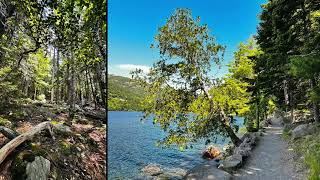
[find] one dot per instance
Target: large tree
(178, 98)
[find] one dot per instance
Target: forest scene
(215, 97)
(53, 91)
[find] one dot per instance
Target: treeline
(53, 50)
(288, 70)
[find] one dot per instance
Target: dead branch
(14, 143)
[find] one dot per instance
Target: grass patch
(309, 147)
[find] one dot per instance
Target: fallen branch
(14, 143)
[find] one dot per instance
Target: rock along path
(272, 159)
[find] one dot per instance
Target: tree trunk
(35, 92)
(102, 85)
(53, 75)
(225, 120)
(71, 100)
(234, 138)
(286, 95)
(57, 75)
(257, 114)
(314, 103)
(87, 87)
(93, 91)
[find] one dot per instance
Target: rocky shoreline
(220, 167)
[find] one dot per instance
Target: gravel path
(272, 159)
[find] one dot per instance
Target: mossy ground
(79, 154)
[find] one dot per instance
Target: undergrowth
(309, 147)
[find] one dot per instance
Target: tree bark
(57, 75)
(93, 91)
(314, 103)
(53, 75)
(102, 85)
(234, 138)
(257, 113)
(224, 118)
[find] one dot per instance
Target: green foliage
(305, 67)
(187, 51)
(41, 97)
(309, 147)
(5, 122)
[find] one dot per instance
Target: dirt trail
(272, 159)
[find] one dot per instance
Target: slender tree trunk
(234, 138)
(35, 92)
(225, 120)
(93, 91)
(71, 88)
(257, 113)
(314, 103)
(57, 76)
(67, 79)
(26, 88)
(87, 87)
(53, 75)
(286, 95)
(102, 85)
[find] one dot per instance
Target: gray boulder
(151, 170)
(303, 130)
(174, 174)
(207, 172)
(62, 128)
(231, 162)
(39, 169)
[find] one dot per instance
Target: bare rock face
(211, 153)
(39, 169)
(207, 172)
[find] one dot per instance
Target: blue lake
(131, 146)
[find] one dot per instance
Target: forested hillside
(52, 80)
(124, 94)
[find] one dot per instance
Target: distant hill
(124, 94)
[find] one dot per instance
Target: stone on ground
(39, 169)
(207, 172)
(211, 152)
(151, 170)
(303, 130)
(62, 128)
(231, 162)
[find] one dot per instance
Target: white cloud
(124, 69)
(132, 67)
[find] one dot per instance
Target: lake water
(131, 146)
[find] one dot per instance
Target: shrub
(41, 97)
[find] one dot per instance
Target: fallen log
(14, 143)
(8, 133)
(94, 115)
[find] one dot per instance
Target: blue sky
(134, 23)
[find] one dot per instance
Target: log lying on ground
(8, 133)
(14, 143)
(95, 115)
